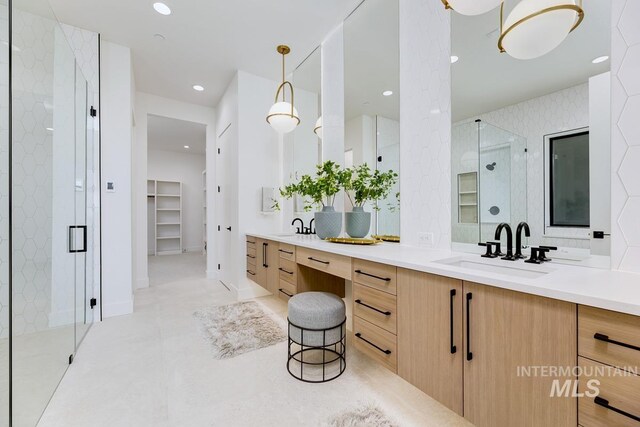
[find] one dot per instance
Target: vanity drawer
(286, 290)
(379, 276)
(620, 396)
(374, 306)
(251, 273)
(287, 252)
(336, 265)
(609, 337)
(288, 271)
(251, 262)
(251, 252)
(251, 242)
(376, 343)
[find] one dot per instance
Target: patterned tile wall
(425, 128)
(625, 141)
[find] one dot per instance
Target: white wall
(186, 168)
(117, 121)
(146, 104)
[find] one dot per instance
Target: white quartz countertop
(611, 290)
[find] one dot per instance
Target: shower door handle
(73, 241)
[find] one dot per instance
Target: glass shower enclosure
(489, 180)
(48, 147)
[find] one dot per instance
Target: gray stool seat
(321, 314)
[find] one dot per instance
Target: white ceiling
(168, 134)
(485, 80)
(207, 40)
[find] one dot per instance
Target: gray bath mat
(365, 416)
(235, 329)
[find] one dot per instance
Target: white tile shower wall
(425, 128)
(625, 140)
(559, 111)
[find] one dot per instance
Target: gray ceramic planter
(358, 222)
(328, 222)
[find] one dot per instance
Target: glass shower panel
(388, 158)
(464, 183)
(43, 194)
(4, 213)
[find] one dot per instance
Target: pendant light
(471, 7)
(318, 129)
(283, 117)
(536, 27)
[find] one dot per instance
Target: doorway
(176, 199)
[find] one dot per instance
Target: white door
(223, 204)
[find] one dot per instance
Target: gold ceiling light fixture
(283, 117)
(471, 7)
(535, 27)
(318, 129)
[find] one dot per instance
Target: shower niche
(489, 166)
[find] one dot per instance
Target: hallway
(153, 368)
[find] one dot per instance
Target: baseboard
(142, 283)
(194, 249)
(252, 291)
(117, 308)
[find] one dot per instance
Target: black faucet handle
(498, 250)
(489, 253)
(549, 248)
(542, 254)
(535, 256)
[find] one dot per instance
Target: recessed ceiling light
(162, 8)
(198, 88)
(600, 59)
(50, 129)
(159, 36)
(186, 146)
(454, 59)
(387, 93)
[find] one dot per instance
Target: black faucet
(311, 229)
(509, 256)
(522, 226)
(299, 230)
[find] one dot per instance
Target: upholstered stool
(317, 337)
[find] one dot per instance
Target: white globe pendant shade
(472, 7)
(318, 128)
(280, 117)
(536, 27)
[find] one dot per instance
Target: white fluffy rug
(235, 329)
(366, 416)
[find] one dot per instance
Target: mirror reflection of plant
(318, 191)
(363, 185)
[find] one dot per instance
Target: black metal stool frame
(339, 355)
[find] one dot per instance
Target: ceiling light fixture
(49, 129)
(454, 59)
(162, 8)
(600, 59)
(387, 93)
(159, 36)
(536, 27)
(187, 147)
(283, 117)
(198, 88)
(318, 129)
(471, 7)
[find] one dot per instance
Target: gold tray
(352, 241)
(387, 238)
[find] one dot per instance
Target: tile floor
(152, 368)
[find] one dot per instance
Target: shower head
(491, 166)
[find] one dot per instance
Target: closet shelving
(165, 200)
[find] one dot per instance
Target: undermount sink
(510, 268)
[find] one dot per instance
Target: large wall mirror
(303, 146)
(531, 138)
(372, 100)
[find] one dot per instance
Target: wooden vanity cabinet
(266, 264)
(505, 330)
(430, 335)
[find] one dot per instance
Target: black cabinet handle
(386, 313)
(469, 353)
(318, 260)
(251, 256)
(605, 404)
(452, 295)
(386, 279)
(359, 335)
(605, 338)
(286, 252)
(251, 272)
(264, 255)
(285, 271)
(249, 241)
(286, 293)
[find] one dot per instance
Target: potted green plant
(320, 191)
(361, 186)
